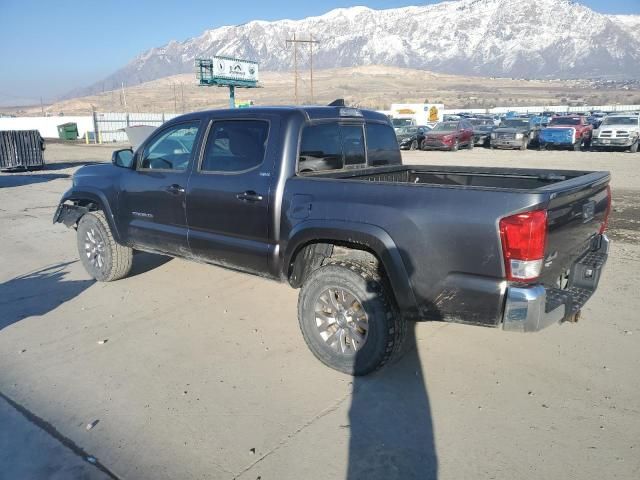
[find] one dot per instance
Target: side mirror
(123, 158)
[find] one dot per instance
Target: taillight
(524, 238)
(607, 212)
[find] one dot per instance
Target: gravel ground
(192, 371)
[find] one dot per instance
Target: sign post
(227, 72)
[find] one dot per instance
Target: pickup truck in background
(517, 133)
(572, 131)
(372, 244)
(618, 132)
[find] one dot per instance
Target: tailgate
(558, 135)
(575, 218)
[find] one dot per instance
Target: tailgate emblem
(588, 211)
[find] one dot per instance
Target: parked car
(572, 131)
(449, 136)
(370, 243)
(482, 129)
(410, 138)
(618, 132)
(515, 133)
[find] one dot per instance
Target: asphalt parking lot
(192, 371)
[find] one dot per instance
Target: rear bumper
(532, 308)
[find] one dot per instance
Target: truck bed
(457, 176)
(446, 218)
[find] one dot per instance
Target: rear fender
(367, 236)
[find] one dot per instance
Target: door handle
(174, 189)
(249, 196)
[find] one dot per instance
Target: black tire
(471, 145)
(94, 230)
(455, 146)
(634, 148)
(423, 145)
(414, 145)
(386, 328)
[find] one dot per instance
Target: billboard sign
(226, 68)
(421, 113)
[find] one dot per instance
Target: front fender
(92, 195)
(370, 237)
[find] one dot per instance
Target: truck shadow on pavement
(390, 420)
(37, 293)
(22, 179)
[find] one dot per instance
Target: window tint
(320, 148)
(172, 149)
(353, 144)
(382, 145)
(235, 145)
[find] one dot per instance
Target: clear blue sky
(49, 47)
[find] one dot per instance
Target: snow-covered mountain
(522, 38)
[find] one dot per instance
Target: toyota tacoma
(372, 244)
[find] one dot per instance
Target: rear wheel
(102, 257)
(348, 319)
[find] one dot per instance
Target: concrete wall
(47, 126)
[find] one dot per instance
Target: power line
(295, 43)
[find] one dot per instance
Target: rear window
(331, 146)
(382, 145)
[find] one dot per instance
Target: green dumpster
(68, 131)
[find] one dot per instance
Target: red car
(449, 136)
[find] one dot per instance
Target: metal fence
(21, 149)
(109, 127)
(548, 108)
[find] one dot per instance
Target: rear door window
(320, 148)
(382, 145)
(235, 145)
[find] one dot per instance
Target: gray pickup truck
(318, 198)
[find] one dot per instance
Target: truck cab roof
(311, 113)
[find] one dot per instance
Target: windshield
(445, 127)
(515, 123)
(406, 130)
(480, 122)
(620, 121)
(565, 121)
(401, 122)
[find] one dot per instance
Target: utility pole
(295, 43)
(41, 107)
(124, 96)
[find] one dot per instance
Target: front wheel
(414, 145)
(455, 146)
(348, 320)
(634, 148)
(471, 145)
(102, 257)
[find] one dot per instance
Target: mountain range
(505, 38)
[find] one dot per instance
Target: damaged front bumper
(532, 308)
